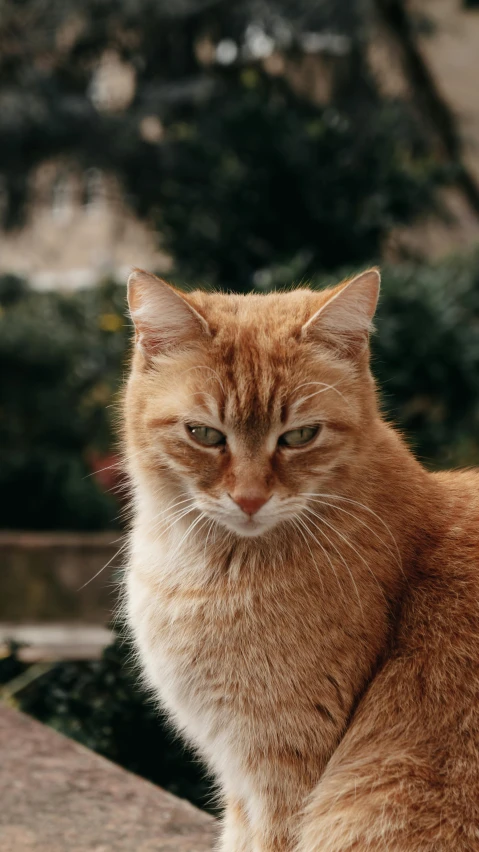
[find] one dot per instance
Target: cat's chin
(249, 528)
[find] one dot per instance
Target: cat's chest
(223, 650)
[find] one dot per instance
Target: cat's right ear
(163, 318)
(344, 321)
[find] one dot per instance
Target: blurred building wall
(448, 38)
(78, 230)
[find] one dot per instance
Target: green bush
(426, 357)
(61, 361)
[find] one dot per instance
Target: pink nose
(250, 503)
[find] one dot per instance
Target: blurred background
(240, 144)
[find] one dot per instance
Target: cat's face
(248, 405)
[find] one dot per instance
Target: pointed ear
(346, 319)
(162, 317)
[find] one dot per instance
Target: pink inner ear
(349, 310)
(163, 318)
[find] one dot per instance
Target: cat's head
(248, 405)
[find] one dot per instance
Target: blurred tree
(259, 180)
(218, 132)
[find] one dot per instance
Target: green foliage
(426, 357)
(61, 360)
(102, 705)
(258, 177)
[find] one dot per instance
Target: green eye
(207, 436)
(298, 437)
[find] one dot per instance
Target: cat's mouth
(248, 526)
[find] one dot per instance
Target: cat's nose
(250, 503)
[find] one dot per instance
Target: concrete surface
(57, 796)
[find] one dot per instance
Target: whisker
(206, 367)
(324, 385)
(333, 569)
(364, 524)
(119, 464)
(295, 522)
(115, 555)
(168, 511)
(182, 513)
(209, 528)
(361, 557)
(342, 560)
(363, 506)
(102, 469)
(186, 535)
(298, 402)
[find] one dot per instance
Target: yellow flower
(249, 78)
(110, 322)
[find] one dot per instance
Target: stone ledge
(53, 642)
(57, 796)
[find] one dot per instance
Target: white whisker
(209, 528)
(115, 555)
(187, 534)
(175, 519)
(306, 509)
(168, 511)
(119, 463)
(364, 524)
(346, 541)
(206, 367)
(298, 402)
(363, 506)
(333, 569)
(295, 521)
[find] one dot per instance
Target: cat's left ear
(346, 318)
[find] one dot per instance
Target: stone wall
(57, 577)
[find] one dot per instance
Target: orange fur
(322, 653)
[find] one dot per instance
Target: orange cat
(304, 596)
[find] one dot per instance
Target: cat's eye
(207, 436)
(298, 437)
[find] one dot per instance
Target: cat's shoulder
(458, 517)
(460, 488)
